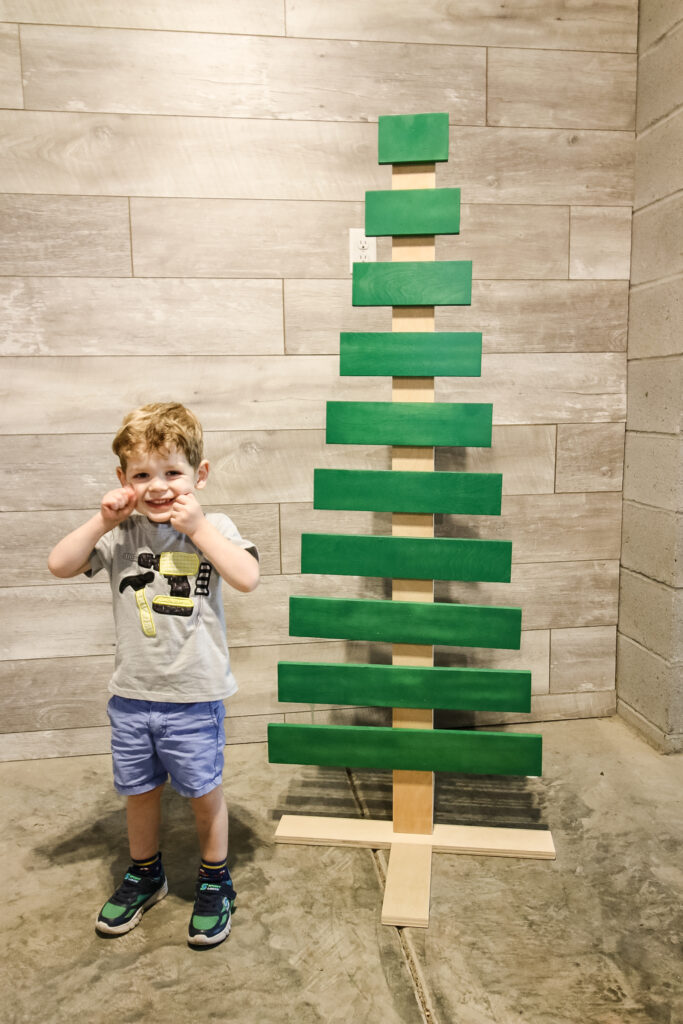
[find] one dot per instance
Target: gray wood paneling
(590, 456)
(540, 166)
(11, 94)
(226, 392)
(548, 24)
(264, 16)
(551, 707)
(134, 317)
(542, 527)
(582, 659)
(36, 533)
(546, 388)
(136, 155)
(514, 316)
(64, 235)
(510, 241)
(547, 89)
(525, 455)
(551, 594)
(248, 76)
(533, 656)
(237, 238)
(600, 242)
(247, 466)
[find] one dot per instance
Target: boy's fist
(117, 505)
(186, 514)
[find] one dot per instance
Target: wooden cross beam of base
(408, 885)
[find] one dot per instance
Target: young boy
(172, 667)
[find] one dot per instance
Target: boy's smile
(159, 478)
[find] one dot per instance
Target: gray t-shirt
(171, 642)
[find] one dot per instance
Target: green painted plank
(409, 558)
(425, 750)
(438, 283)
(420, 211)
(406, 622)
(399, 686)
(455, 424)
(382, 490)
(409, 354)
(412, 138)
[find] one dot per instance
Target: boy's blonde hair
(157, 426)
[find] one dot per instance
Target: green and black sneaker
(136, 894)
(210, 922)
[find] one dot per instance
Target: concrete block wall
(178, 182)
(650, 643)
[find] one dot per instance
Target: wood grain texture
(551, 594)
(513, 316)
(238, 238)
(35, 533)
(246, 76)
(408, 886)
(11, 94)
(137, 155)
(600, 242)
(540, 165)
(542, 24)
(64, 235)
(405, 491)
(582, 659)
(410, 353)
(428, 211)
(547, 89)
(412, 138)
(409, 423)
(590, 457)
(533, 656)
(412, 749)
(412, 283)
(510, 241)
(546, 707)
(265, 16)
(247, 467)
(525, 455)
(245, 392)
(546, 388)
(111, 317)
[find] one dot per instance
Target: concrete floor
(590, 938)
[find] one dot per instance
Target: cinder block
(655, 316)
(652, 543)
(651, 614)
(656, 18)
(649, 685)
(655, 387)
(653, 470)
(657, 232)
(659, 80)
(658, 161)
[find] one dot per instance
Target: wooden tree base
(407, 892)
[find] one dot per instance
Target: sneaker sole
(210, 940)
(121, 929)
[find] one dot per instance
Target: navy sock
(215, 871)
(150, 866)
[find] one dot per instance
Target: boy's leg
(143, 816)
(215, 897)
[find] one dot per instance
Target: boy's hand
(117, 505)
(186, 514)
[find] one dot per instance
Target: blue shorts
(151, 740)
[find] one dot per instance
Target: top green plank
(413, 139)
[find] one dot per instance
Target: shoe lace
(129, 888)
(209, 898)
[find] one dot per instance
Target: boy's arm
(235, 565)
(71, 556)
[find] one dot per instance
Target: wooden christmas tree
(413, 353)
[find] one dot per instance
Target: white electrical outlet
(361, 248)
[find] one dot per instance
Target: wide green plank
(399, 686)
(413, 558)
(439, 283)
(382, 490)
(454, 424)
(409, 354)
(424, 750)
(406, 622)
(413, 138)
(420, 211)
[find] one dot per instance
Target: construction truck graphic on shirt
(177, 568)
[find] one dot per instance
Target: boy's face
(158, 478)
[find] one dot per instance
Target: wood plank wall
(178, 182)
